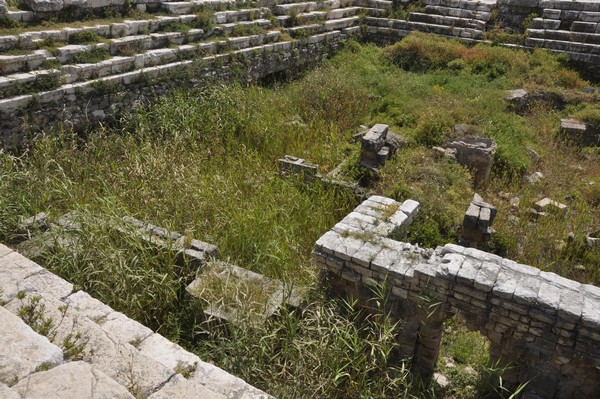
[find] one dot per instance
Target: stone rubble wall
(545, 326)
(119, 356)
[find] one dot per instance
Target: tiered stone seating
(572, 27)
(462, 18)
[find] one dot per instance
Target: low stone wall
(547, 328)
(91, 350)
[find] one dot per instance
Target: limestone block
(180, 388)
(7, 393)
(44, 5)
(3, 7)
(4, 250)
(71, 380)
(10, 286)
(548, 205)
(22, 350)
(328, 242)
(92, 308)
(374, 139)
(169, 354)
(20, 266)
(224, 383)
(298, 166)
(121, 329)
(50, 283)
(348, 247)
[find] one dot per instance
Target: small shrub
(204, 18)
(91, 56)
(433, 127)
(248, 30)
(86, 36)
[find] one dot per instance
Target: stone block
(93, 309)
(169, 354)
(374, 139)
(22, 350)
(224, 383)
(71, 380)
(121, 329)
(181, 388)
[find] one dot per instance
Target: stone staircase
(572, 27)
(464, 18)
(89, 350)
(40, 61)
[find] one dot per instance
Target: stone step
(379, 4)
(448, 21)
(474, 5)
(305, 18)
(120, 46)
(563, 46)
(70, 91)
(17, 63)
(117, 356)
(564, 35)
(117, 65)
(587, 27)
(375, 12)
(71, 380)
(545, 23)
(327, 26)
(287, 9)
(21, 83)
(458, 12)
(570, 5)
(343, 12)
(467, 33)
(28, 40)
(17, 84)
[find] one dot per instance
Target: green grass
(92, 56)
(204, 161)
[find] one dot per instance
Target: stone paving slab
(77, 380)
(22, 350)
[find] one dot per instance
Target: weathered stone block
(22, 350)
(71, 380)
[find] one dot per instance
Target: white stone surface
(180, 388)
(168, 354)
(76, 380)
(22, 350)
(7, 393)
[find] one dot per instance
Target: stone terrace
(52, 77)
(545, 326)
(91, 350)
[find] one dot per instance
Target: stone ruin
(477, 223)
(119, 356)
(578, 132)
(378, 145)
(148, 57)
(546, 328)
(194, 256)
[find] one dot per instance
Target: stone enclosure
(48, 79)
(544, 327)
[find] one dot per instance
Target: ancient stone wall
(77, 104)
(547, 328)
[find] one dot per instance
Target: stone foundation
(547, 328)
